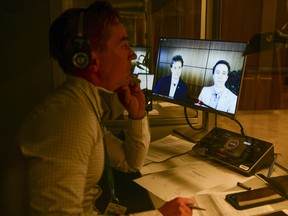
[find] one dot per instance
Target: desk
(266, 125)
(188, 175)
(270, 126)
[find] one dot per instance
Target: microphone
(267, 41)
(140, 65)
(196, 100)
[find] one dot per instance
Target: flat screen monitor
(141, 63)
(188, 70)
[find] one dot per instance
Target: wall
(263, 85)
(25, 77)
(174, 18)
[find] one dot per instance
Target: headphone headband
(80, 24)
(80, 55)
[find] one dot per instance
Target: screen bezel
(194, 104)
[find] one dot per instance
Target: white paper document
(168, 147)
(187, 180)
(216, 205)
(204, 183)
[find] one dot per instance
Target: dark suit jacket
(163, 88)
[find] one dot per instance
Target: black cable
(168, 158)
(224, 114)
(272, 166)
(188, 121)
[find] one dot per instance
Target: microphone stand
(224, 114)
(201, 133)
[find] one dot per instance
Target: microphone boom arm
(224, 114)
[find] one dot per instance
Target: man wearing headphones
(68, 148)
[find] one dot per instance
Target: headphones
(80, 55)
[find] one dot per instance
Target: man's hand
(177, 207)
(133, 99)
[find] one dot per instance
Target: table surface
(270, 126)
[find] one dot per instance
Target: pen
(195, 207)
(243, 186)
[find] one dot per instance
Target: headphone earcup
(80, 55)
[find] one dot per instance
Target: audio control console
(245, 155)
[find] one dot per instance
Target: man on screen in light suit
(219, 96)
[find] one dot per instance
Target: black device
(243, 154)
(278, 182)
(79, 57)
(199, 56)
(253, 198)
(283, 212)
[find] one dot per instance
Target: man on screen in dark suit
(172, 86)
